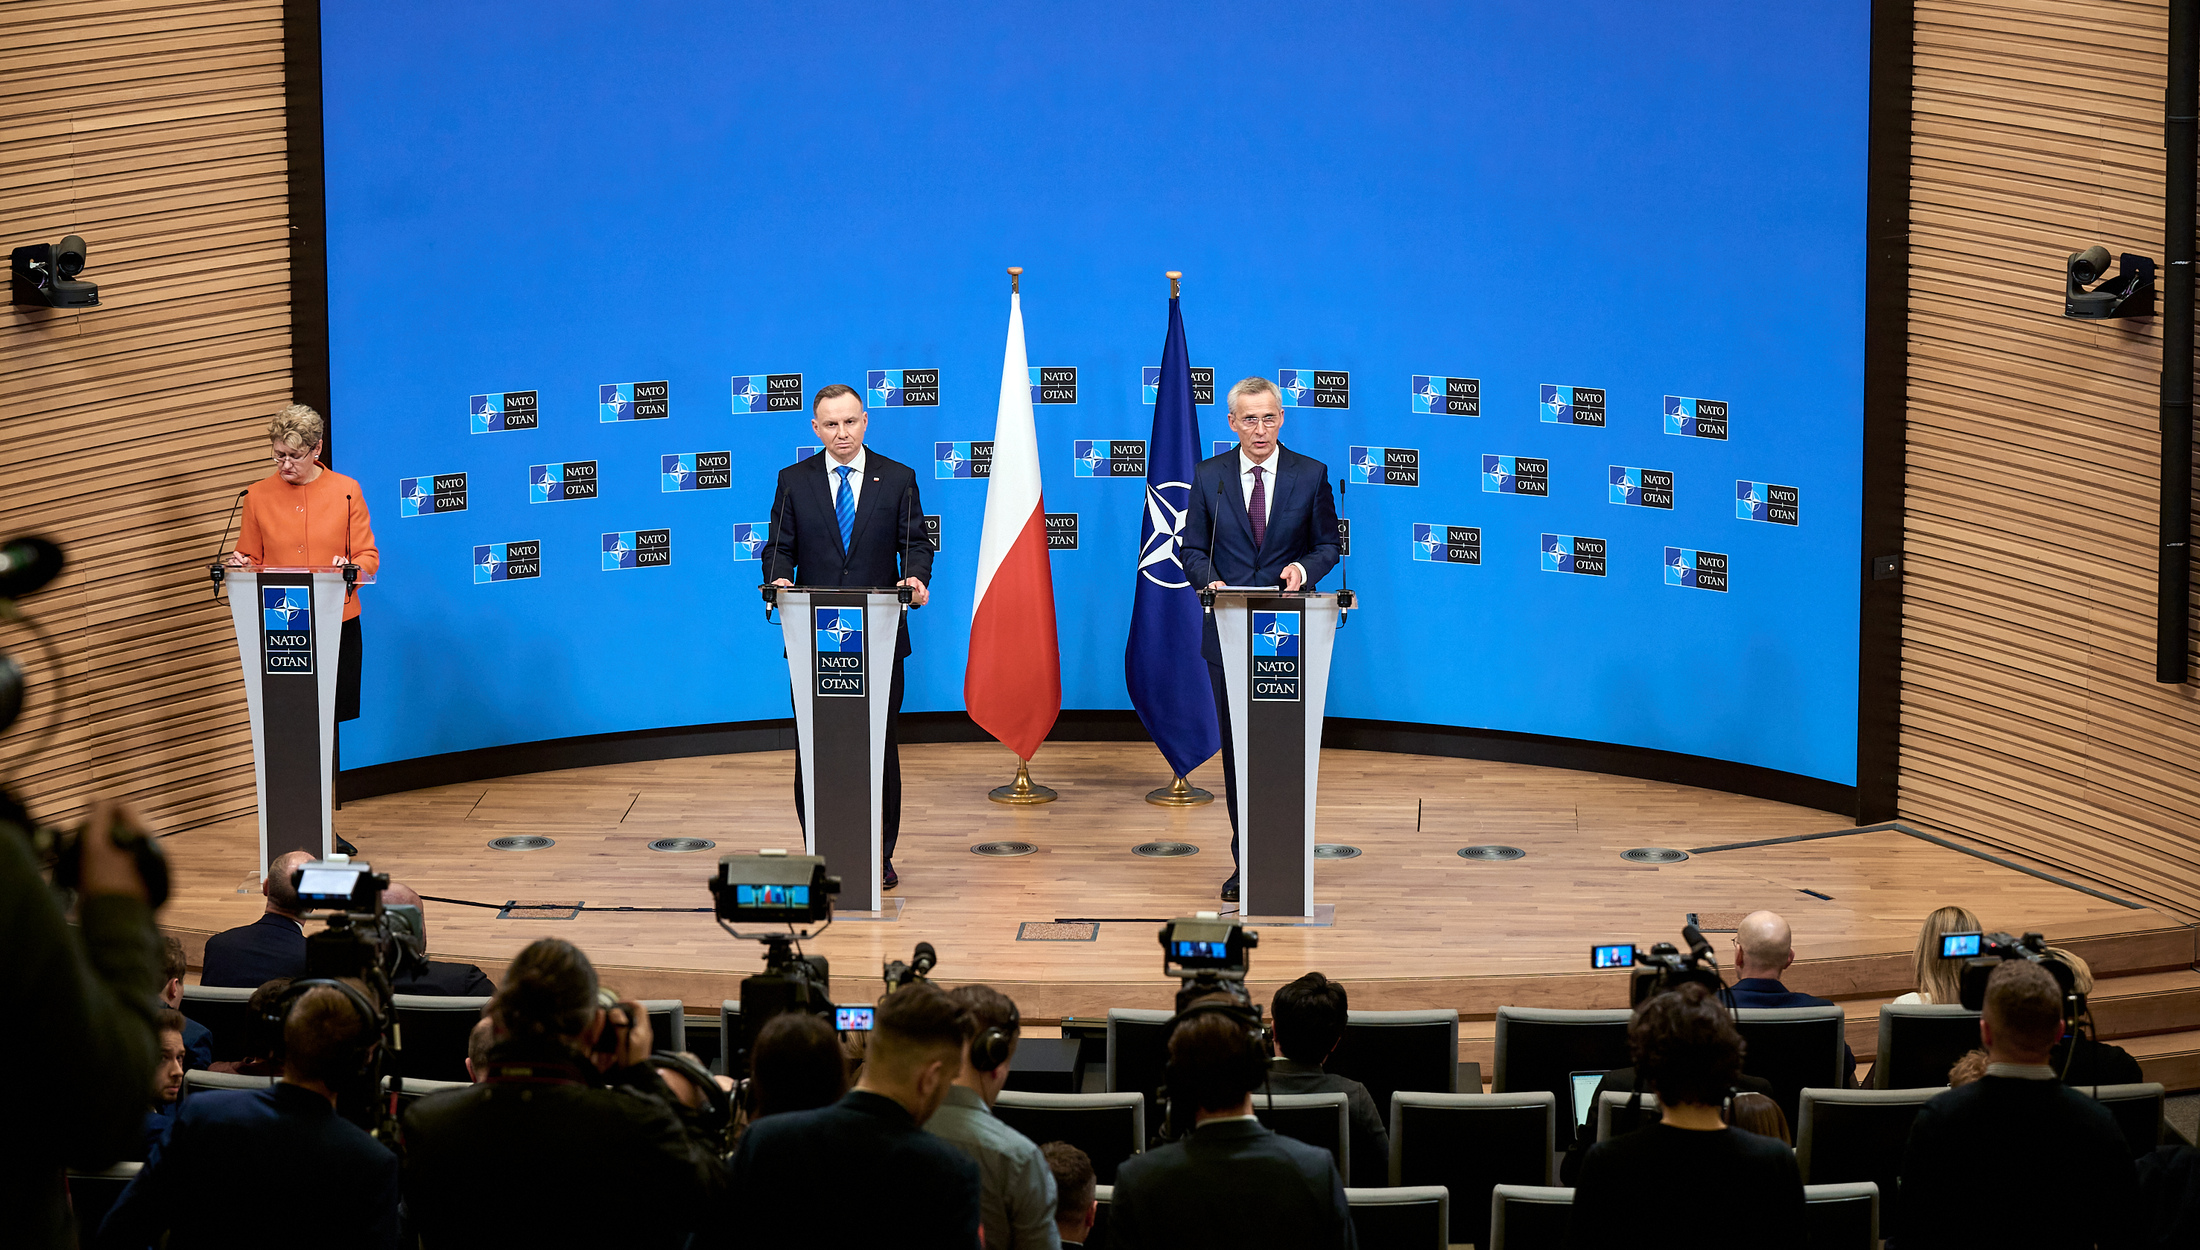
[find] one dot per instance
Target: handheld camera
(1984, 952)
(1662, 968)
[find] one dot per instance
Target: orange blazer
(310, 525)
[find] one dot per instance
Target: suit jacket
(229, 1151)
(1266, 1189)
(889, 542)
(1766, 992)
(864, 1152)
(1218, 534)
(448, 980)
(2085, 1188)
(1370, 1140)
(249, 956)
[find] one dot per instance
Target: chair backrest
(1109, 1128)
(1405, 1216)
(1849, 1135)
(419, 1088)
(1919, 1042)
(1615, 1120)
(2138, 1111)
(1537, 1047)
(1392, 1050)
(227, 1014)
(1102, 1197)
(1529, 1217)
(435, 1029)
(667, 1023)
(731, 1062)
(1138, 1055)
(1794, 1048)
(196, 1081)
(1469, 1143)
(1316, 1119)
(93, 1194)
(1841, 1217)
(1047, 1065)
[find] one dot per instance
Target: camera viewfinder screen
(327, 882)
(771, 896)
(1959, 946)
(1200, 950)
(852, 1019)
(1618, 956)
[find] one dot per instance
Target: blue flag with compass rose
(1162, 666)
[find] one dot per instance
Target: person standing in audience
(198, 1040)
(429, 976)
(1764, 949)
(249, 956)
(868, 1154)
(1688, 1053)
(1016, 1192)
(167, 1078)
(1310, 1015)
(796, 1065)
(1939, 980)
(231, 1152)
(1076, 1192)
(1232, 1172)
(1968, 1144)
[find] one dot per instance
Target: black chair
(1109, 1128)
(1795, 1048)
(93, 1194)
(1613, 1119)
(1418, 1215)
(1469, 1144)
(1102, 1196)
(197, 1081)
(1919, 1042)
(1841, 1217)
(1848, 1135)
(1138, 1055)
(1046, 1065)
(730, 1039)
(667, 1023)
(2138, 1112)
(1537, 1047)
(1530, 1217)
(1316, 1119)
(226, 1013)
(1392, 1050)
(435, 1031)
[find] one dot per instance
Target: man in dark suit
(1309, 1018)
(1764, 949)
(433, 976)
(1261, 515)
(272, 946)
(848, 516)
(1268, 1190)
(198, 1040)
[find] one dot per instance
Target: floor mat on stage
(1058, 931)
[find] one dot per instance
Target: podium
(840, 666)
(1275, 673)
(290, 625)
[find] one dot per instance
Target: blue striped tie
(844, 506)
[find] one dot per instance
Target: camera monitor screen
(1584, 1086)
(1621, 955)
(1959, 946)
(791, 897)
(329, 885)
(852, 1019)
(1199, 950)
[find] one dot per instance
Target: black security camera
(2129, 294)
(45, 275)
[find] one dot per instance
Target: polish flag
(1012, 682)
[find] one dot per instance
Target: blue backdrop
(1663, 203)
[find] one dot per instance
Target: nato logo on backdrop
(749, 538)
(1572, 553)
(1451, 397)
(286, 629)
(902, 388)
(637, 549)
(633, 401)
(839, 652)
(1061, 531)
(1447, 544)
(1641, 488)
(972, 459)
(767, 392)
(1698, 570)
(1054, 384)
(696, 470)
(431, 496)
(1108, 457)
(503, 410)
(1571, 405)
(1203, 384)
(1695, 418)
(803, 453)
(1383, 466)
(505, 562)
(1768, 501)
(555, 483)
(1315, 388)
(1516, 475)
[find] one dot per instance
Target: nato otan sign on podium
(840, 663)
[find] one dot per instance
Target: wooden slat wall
(154, 129)
(2030, 718)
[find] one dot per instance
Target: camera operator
(93, 1049)
(229, 1149)
(1684, 1045)
(570, 1109)
(2083, 1061)
(2018, 1119)
(1016, 1191)
(1310, 1015)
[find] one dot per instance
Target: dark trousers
(890, 785)
(347, 672)
(1229, 755)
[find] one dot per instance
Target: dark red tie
(1258, 509)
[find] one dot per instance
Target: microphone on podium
(214, 571)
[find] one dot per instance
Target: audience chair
(1047, 1065)
(1841, 1217)
(1614, 1120)
(1416, 1215)
(1919, 1042)
(1538, 1046)
(1469, 1143)
(1138, 1056)
(1795, 1048)
(415, 1090)
(1529, 1217)
(1102, 1195)
(196, 1081)
(1109, 1128)
(1316, 1119)
(730, 1060)
(225, 1012)
(1392, 1050)
(93, 1194)
(1848, 1135)
(2138, 1111)
(435, 1031)
(667, 1023)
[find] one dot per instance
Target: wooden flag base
(1180, 793)
(1021, 791)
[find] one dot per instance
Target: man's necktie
(844, 506)
(1258, 509)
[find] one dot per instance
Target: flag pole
(1020, 791)
(1179, 792)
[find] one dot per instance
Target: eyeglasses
(1260, 421)
(293, 457)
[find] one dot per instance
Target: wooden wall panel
(155, 130)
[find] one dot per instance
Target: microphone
(27, 563)
(924, 959)
(214, 570)
(1344, 571)
(351, 570)
(771, 546)
(1214, 514)
(1697, 946)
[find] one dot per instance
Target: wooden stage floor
(1415, 925)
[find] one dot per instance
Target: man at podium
(1261, 515)
(848, 516)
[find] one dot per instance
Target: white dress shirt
(855, 479)
(1246, 465)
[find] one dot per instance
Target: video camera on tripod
(1663, 967)
(369, 943)
(1984, 952)
(773, 887)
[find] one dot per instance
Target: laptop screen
(1585, 1091)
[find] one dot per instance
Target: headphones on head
(990, 1048)
(1250, 1072)
(354, 1055)
(715, 1116)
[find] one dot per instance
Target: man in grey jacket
(1016, 1187)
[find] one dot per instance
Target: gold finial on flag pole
(1015, 279)
(1176, 288)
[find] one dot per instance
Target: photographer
(1686, 1049)
(570, 1109)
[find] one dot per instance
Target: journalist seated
(570, 1138)
(2080, 1060)
(1685, 1046)
(272, 946)
(209, 1182)
(1015, 1190)
(1309, 1017)
(1232, 1172)
(167, 1079)
(1076, 1192)
(423, 975)
(198, 1040)
(796, 1065)
(1764, 949)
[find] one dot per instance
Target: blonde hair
(298, 426)
(1941, 980)
(2081, 973)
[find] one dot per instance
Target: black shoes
(1230, 889)
(345, 848)
(891, 879)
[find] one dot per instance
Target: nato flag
(1162, 665)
